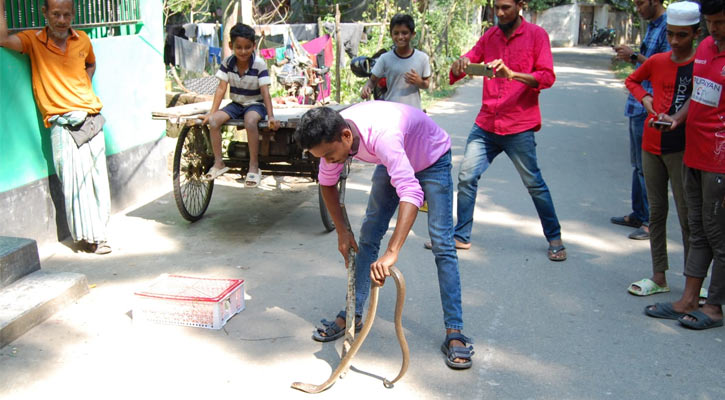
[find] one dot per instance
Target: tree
(189, 7)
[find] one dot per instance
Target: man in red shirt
(520, 55)
(704, 179)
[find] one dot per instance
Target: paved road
(543, 330)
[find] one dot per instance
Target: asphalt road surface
(542, 330)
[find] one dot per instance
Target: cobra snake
(360, 338)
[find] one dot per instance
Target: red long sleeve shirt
(671, 87)
(510, 107)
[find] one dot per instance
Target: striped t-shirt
(244, 86)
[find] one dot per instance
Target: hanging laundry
(351, 36)
(208, 34)
(189, 55)
(169, 47)
(191, 31)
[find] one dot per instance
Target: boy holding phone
(662, 149)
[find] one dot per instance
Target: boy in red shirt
(671, 76)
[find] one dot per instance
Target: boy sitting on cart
(247, 74)
(414, 159)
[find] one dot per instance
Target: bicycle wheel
(192, 159)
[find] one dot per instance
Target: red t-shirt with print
(671, 87)
(705, 139)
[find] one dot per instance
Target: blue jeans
(482, 147)
(640, 206)
(437, 185)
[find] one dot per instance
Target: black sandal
(457, 352)
(332, 331)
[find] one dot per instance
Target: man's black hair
(402, 19)
(318, 125)
(243, 31)
(710, 7)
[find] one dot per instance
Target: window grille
(25, 14)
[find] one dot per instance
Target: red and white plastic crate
(189, 301)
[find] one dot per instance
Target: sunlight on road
(358, 187)
(528, 367)
(584, 71)
(531, 226)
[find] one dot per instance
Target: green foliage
(622, 5)
(445, 29)
(622, 69)
(196, 10)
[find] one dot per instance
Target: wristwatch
(634, 57)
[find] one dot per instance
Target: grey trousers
(705, 193)
(658, 171)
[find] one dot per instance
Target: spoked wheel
(192, 159)
(324, 214)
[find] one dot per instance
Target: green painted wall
(129, 80)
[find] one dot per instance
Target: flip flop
(215, 172)
(102, 248)
(647, 287)
(252, 179)
(703, 297)
(457, 352)
(554, 251)
(662, 310)
(702, 321)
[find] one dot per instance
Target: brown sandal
(557, 253)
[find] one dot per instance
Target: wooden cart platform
(279, 154)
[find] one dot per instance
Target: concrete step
(32, 299)
(18, 257)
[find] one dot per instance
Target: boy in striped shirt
(247, 76)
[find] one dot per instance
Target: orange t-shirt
(60, 81)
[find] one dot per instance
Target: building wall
(129, 80)
(561, 23)
(601, 16)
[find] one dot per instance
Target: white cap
(683, 13)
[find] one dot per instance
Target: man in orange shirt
(62, 64)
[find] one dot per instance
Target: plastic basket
(189, 301)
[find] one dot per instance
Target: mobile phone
(662, 124)
(479, 69)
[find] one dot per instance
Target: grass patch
(428, 98)
(622, 69)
